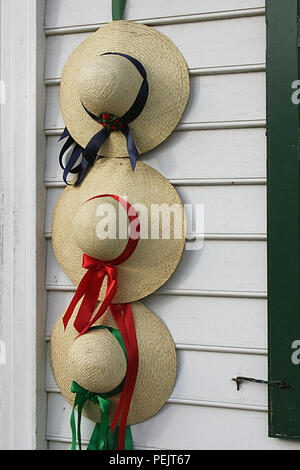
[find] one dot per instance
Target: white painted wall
(215, 303)
(22, 210)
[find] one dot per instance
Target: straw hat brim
(154, 260)
(167, 76)
(157, 364)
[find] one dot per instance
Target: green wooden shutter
(283, 215)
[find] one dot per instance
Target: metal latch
(272, 383)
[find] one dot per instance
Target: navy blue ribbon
(90, 152)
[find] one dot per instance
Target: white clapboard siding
(215, 304)
(201, 154)
(235, 209)
(238, 97)
(192, 320)
(182, 427)
(70, 12)
(207, 376)
(239, 42)
(220, 266)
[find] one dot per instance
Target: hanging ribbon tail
(82, 169)
(132, 150)
(89, 154)
(128, 439)
(99, 436)
(91, 150)
(72, 160)
(127, 330)
(92, 287)
(117, 310)
(95, 438)
(130, 327)
(65, 147)
(112, 439)
(64, 134)
(79, 401)
(110, 293)
(80, 292)
(69, 168)
(75, 155)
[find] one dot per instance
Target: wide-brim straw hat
(154, 259)
(96, 360)
(110, 84)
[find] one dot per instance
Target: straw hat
(97, 363)
(76, 222)
(110, 84)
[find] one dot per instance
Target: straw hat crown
(96, 230)
(108, 84)
(97, 362)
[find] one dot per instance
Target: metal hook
(273, 383)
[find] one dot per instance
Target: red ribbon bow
(89, 288)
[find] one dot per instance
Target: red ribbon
(89, 289)
(124, 319)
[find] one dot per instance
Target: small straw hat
(97, 363)
(75, 227)
(98, 78)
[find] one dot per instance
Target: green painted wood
(118, 7)
(283, 216)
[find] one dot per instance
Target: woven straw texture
(157, 363)
(153, 260)
(97, 361)
(167, 76)
(85, 222)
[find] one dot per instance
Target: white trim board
(22, 307)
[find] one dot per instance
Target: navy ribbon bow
(90, 152)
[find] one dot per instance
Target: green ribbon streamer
(111, 439)
(118, 7)
(102, 437)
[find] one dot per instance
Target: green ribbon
(112, 439)
(102, 437)
(118, 7)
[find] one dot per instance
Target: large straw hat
(97, 363)
(75, 222)
(110, 84)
